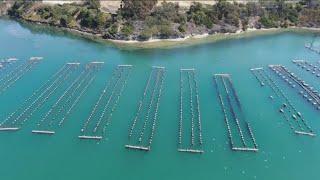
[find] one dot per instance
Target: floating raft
(143, 126)
(143, 148)
(189, 113)
(73, 63)
(65, 103)
(42, 132)
(100, 116)
(12, 59)
(90, 137)
(36, 58)
(305, 133)
(15, 74)
(191, 150)
(239, 130)
(97, 62)
(311, 95)
(39, 97)
(310, 47)
(245, 149)
(9, 129)
(297, 123)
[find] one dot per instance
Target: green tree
(137, 9)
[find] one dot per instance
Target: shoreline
(189, 40)
(206, 38)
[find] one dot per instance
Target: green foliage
(148, 32)
(137, 9)
(267, 22)
(19, 7)
(88, 18)
(169, 20)
(201, 15)
(170, 12)
(182, 28)
(113, 29)
(127, 29)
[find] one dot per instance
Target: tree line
(143, 19)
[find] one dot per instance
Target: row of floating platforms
(280, 100)
(310, 47)
(143, 126)
(66, 81)
(66, 101)
(239, 131)
(309, 93)
(63, 91)
(190, 117)
(98, 121)
(12, 70)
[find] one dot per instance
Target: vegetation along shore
(157, 23)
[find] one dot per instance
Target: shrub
(127, 29)
(182, 28)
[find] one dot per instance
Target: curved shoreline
(205, 39)
(169, 43)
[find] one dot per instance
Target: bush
(201, 15)
(267, 22)
(166, 31)
(127, 29)
(113, 29)
(182, 28)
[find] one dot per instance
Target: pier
(286, 107)
(142, 129)
(189, 113)
(239, 131)
(102, 111)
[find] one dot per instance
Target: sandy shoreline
(206, 38)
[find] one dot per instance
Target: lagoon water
(282, 155)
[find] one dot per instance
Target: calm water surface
(282, 155)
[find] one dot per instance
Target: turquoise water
(282, 155)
